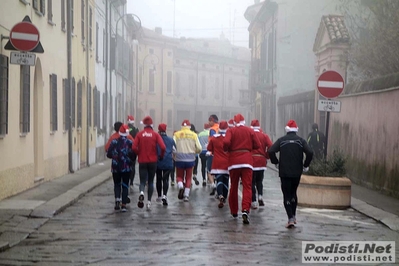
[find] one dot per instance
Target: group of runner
(230, 152)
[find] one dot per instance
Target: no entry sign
(330, 84)
(24, 36)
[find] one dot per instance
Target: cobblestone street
(191, 233)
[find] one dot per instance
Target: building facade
(281, 42)
(155, 77)
(210, 75)
(33, 115)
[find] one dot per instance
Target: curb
(388, 219)
(41, 214)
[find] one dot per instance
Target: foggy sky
(195, 18)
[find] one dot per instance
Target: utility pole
(174, 18)
(69, 70)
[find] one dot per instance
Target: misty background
(196, 19)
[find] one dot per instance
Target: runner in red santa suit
(240, 141)
(220, 163)
(260, 157)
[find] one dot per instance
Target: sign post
(330, 85)
(24, 36)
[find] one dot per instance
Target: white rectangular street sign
(26, 59)
(329, 106)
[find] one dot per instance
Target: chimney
(158, 30)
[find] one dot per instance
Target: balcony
(262, 80)
(246, 97)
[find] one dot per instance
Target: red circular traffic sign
(24, 36)
(330, 84)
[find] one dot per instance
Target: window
(104, 47)
(63, 21)
(230, 90)
(169, 82)
(98, 109)
(50, 11)
(95, 104)
(270, 52)
(151, 85)
(169, 118)
(105, 108)
(203, 82)
(53, 103)
(140, 78)
(89, 107)
(152, 114)
(3, 95)
(82, 19)
(39, 6)
(79, 109)
(24, 119)
(217, 93)
(177, 84)
(119, 107)
(72, 15)
(73, 88)
(191, 85)
(90, 27)
(97, 34)
(67, 103)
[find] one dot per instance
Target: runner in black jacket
(291, 166)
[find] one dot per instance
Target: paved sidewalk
(24, 213)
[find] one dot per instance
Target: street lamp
(134, 23)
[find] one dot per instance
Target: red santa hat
(291, 126)
(206, 126)
(239, 119)
(230, 123)
(124, 130)
(186, 123)
(223, 126)
(130, 119)
(147, 121)
(255, 124)
(162, 127)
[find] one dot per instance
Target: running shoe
(186, 199)
(204, 183)
(128, 200)
(291, 223)
(172, 183)
(164, 200)
(254, 205)
(195, 180)
(213, 192)
(245, 217)
(221, 202)
(117, 205)
(140, 204)
(261, 203)
(148, 205)
(181, 192)
(123, 209)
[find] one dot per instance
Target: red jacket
(220, 161)
(115, 136)
(260, 155)
(240, 141)
(145, 145)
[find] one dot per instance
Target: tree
(373, 27)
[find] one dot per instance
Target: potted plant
(325, 184)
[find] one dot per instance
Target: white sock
(186, 192)
(180, 184)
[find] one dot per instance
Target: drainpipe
(162, 76)
(88, 106)
(105, 119)
(69, 70)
